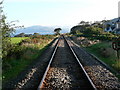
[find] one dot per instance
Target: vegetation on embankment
(93, 38)
(18, 52)
(104, 51)
(23, 54)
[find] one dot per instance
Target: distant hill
(41, 29)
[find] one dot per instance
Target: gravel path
(30, 78)
(65, 72)
(102, 78)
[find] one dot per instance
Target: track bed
(64, 71)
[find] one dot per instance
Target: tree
(82, 23)
(20, 35)
(36, 34)
(5, 30)
(57, 31)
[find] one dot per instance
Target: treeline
(93, 30)
(26, 35)
(56, 31)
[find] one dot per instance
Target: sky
(59, 12)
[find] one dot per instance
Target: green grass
(97, 49)
(17, 39)
(109, 57)
(13, 66)
(18, 66)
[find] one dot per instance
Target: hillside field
(17, 39)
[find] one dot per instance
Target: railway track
(65, 70)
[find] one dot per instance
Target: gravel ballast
(102, 77)
(65, 72)
(30, 77)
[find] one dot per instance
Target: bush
(106, 52)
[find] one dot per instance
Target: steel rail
(54, 52)
(97, 59)
(81, 65)
(40, 85)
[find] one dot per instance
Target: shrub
(106, 52)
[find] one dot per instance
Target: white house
(112, 25)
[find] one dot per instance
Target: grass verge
(17, 66)
(13, 66)
(105, 52)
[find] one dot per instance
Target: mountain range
(41, 30)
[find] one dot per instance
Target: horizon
(59, 13)
(43, 30)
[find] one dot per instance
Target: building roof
(113, 21)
